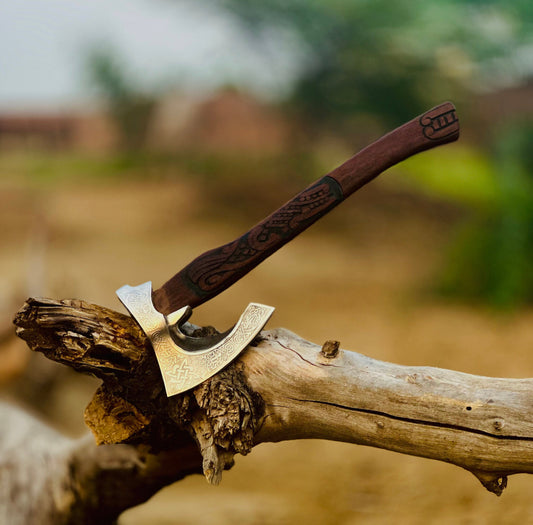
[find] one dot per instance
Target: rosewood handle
(215, 270)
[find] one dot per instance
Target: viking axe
(187, 361)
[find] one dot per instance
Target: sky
(43, 44)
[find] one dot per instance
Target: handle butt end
(440, 124)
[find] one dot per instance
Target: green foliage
(492, 258)
(461, 174)
(128, 107)
(390, 59)
(225, 181)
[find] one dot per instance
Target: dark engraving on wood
(232, 260)
(437, 126)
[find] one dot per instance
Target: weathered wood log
(49, 479)
(280, 388)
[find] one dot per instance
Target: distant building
(499, 108)
(227, 121)
(36, 131)
(39, 131)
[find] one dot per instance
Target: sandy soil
(358, 277)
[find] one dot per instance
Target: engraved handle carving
(214, 271)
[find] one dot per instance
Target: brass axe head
(186, 362)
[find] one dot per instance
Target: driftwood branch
(280, 388)
(47, 478)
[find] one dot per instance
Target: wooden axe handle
(215, 270)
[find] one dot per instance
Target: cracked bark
(282, 387)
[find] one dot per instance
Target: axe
(188, 361)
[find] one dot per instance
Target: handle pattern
(214, 271)
(211, 272)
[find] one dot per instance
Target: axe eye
(179, 316)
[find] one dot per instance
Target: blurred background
(134, 135)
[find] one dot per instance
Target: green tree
(129, 108)
(492, 258)
(391, 59)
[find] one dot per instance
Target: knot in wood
(330, 349)
(232, 409)
(498, 424)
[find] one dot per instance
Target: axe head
(188, 361)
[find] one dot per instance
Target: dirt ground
(358, 277)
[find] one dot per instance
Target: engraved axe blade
(185, 363)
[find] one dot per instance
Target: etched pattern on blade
(243, 333)
(181, 369)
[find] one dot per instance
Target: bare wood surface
(282, 387)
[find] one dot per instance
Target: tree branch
(282, 387)
(482, 424)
